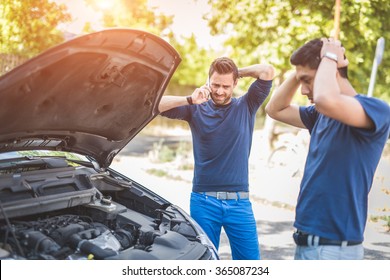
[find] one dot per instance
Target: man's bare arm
(333, 94)
(199, 96)
(258, 71)
(280, 107)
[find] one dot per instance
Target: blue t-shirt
(339, 172)
(222, 138)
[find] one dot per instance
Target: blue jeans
(237, 219)
(328, 252)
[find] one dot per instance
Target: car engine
(80, 214)
(73, 236)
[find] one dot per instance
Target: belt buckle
(221, 195)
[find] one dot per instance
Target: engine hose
(88, 248)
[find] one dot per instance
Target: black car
(65, 115)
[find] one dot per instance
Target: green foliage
(157, 172)
(161, 152)
(259, 31)
(163, 173)
(269, 31)
(384, 218)
(28, 27)
(195, 62)
(167, 153)
(134, 14)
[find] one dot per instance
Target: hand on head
(334, 46)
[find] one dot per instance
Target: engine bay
(77, 213)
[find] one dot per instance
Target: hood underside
(90, 95)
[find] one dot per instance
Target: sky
(187, 18)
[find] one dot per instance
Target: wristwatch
(331, 56)
(189, 100)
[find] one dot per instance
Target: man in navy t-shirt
(222, 128)
(348, 133)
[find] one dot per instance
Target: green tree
(28, 27)
(270, 30)
(195, 62)
(134, 14)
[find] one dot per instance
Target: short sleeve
(378, 111)
(309, 116)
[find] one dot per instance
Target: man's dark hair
(309, 55)
(224, 65)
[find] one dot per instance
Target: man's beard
(220, 101)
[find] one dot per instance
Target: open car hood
(90, 95)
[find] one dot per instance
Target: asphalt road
(273, 195)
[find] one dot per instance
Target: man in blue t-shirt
(222, 128)
(348, 133)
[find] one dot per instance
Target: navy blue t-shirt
(339, 172)
(222, 138)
